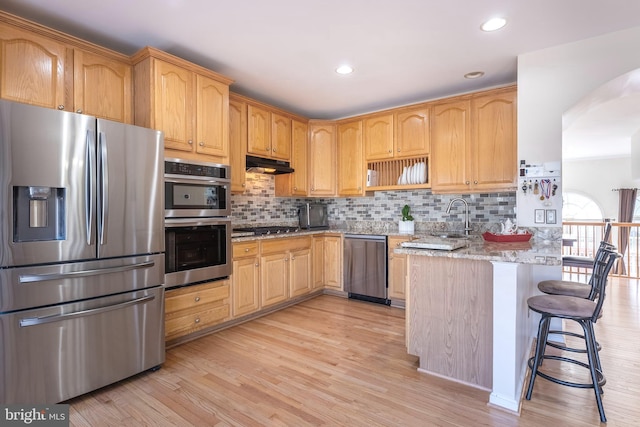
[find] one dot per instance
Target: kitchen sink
(449, 235)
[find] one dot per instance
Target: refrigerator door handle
(30, 278)
(104, 185)
(33, 321)
(89, 174)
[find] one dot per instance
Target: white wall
(553, 80)
(597, 178)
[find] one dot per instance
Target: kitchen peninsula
(467, 316)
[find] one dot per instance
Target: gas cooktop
(258, 231)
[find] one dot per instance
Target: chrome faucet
(467, 229)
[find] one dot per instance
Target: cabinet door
(299, 158)
(212, 117)
(378, 137)
(300, 272)
(259, 131)
(350, 159)
(280, 137)
(102, 87)
(322, 164)
(397, 268)
(245, 286)
(173, 105)
(333, 261)
(494, 136)
(274, 272)
(412, 133)
(237, 144)
(450, 159)
(32, 69)
(318, 262)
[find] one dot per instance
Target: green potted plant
(406, 224)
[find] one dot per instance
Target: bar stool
(583, 261)
(583, 311)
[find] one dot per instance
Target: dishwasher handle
(366, 237)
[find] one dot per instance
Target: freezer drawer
(37, 286)
(52, 354)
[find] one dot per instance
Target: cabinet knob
(244, 185)
(246, 249)
(475, 182)
(257, 265)
(201, 143)
(60, 107)
(286, 259)
(391, 151)
(197, 299)
(273, 149)
(398, 150)
(190, 142)
(197, 320)
(466, 182)
(295, 188)
(359, 188)
(79, 111)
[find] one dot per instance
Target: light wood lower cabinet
(318, 262)
(397, 266)
(285, 269)
(245, 281)
(333, 262)
(193, 308)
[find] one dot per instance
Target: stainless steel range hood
(268, 166)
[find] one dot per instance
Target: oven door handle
(195, 180)
(33, 321)
(194, 222)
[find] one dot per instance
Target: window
(578, 207)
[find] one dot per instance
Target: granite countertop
(539, 252)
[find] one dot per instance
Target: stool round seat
(565, 287)
(562, 306)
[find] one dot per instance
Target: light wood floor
(336, 362)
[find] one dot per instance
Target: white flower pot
(406, 227)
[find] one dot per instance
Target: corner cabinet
(322, 158)
(285, 266)
(190, 104)
(474, 143)
(351, 166)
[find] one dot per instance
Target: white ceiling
(284, 52)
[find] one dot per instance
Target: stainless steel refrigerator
(81, 253)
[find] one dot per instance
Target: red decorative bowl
(490, 237)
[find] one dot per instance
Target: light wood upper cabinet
(237, 144)
(378, 137)
(280, 136)
(473, 143)
(299, 158)
(34, 69)
(411, 136)
(494, 133)
(212, 117)
(351, 166)
(173, 109)
(296, 183)
(103, 87)
(190, 104)
(450, 144)
(259, 131)
(322, 159)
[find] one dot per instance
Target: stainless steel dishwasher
(365, 267)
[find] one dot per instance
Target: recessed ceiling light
(494, 24)
(344, 69)
(474, 75)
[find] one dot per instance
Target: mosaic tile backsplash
(259, 206)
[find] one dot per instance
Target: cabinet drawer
(285, 244)
(242, 250)
(176, 326)
(196, 296)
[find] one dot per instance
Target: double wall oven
(197, 222)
